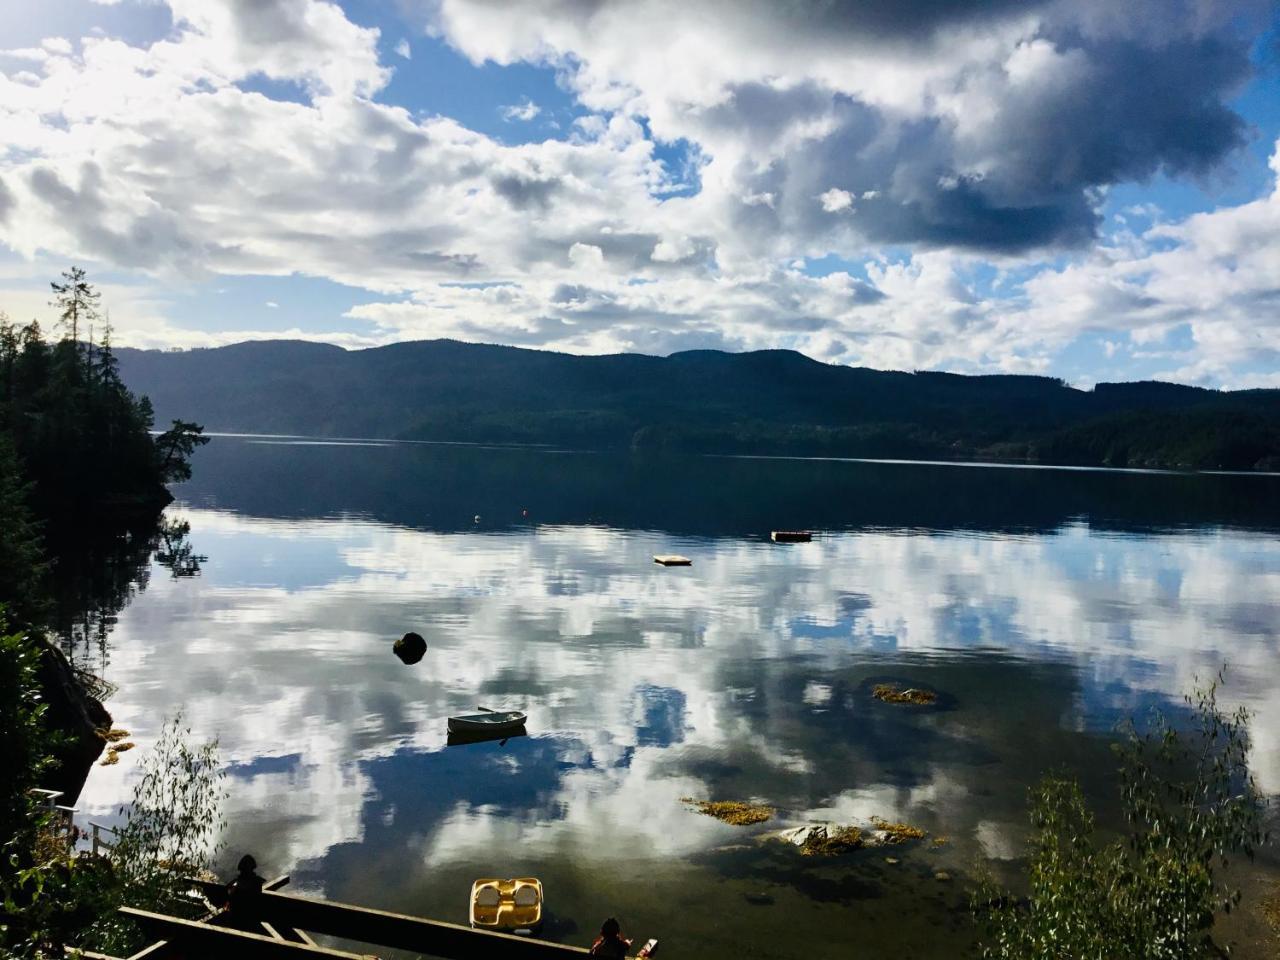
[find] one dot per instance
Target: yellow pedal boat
(508, 905)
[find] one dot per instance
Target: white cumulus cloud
(968, 138)
(525, 110)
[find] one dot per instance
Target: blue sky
(1077, 190)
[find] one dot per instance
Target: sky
(1076, 188)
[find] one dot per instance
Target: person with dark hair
(244, 892)
(610, 943)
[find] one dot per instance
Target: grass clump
(823, 842)
(890, 693)
(736, 812)
(114, 735)
(898, 832)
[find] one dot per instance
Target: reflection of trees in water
(174, 551)
(95, 573)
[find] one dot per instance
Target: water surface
(1046, 605)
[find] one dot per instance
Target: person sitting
(610, 943)
(244, 893)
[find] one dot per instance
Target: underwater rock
(834, 838)
(826, 841)
(410, 648)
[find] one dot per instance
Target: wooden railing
(62, 818)
(100, 837)
(98, 845)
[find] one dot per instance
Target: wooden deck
(287, 922)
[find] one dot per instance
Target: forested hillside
(767, 402)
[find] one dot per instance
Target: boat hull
(484, 736)
(487, 723)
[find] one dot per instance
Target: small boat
(484, 736)
(490, 722)
(791, 536)
(672, 560)
(511, 905)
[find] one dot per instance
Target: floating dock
(672, 560)
(791, 536)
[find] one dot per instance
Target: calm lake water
(1046, 605)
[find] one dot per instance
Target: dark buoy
(410, 648)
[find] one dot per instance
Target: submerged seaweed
(898, 832)
(890, 693)
(1271, 908)
(736, 812)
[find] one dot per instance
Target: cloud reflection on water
(743, 675)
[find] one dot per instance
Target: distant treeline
(766, 402)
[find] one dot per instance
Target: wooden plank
(202, 939)
(163, 950)
(216, 890)
(297, 936)
(160, 950)
(432, 937)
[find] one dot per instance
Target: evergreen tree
(21, 563)
(82, 437)
(76, 301)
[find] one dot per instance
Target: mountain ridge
(767, 401)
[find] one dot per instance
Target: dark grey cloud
(1127, 112)
(1135, 111)
(526, 193)
(760, 113)
(839, 20)
(269, 21)
(833, 21)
